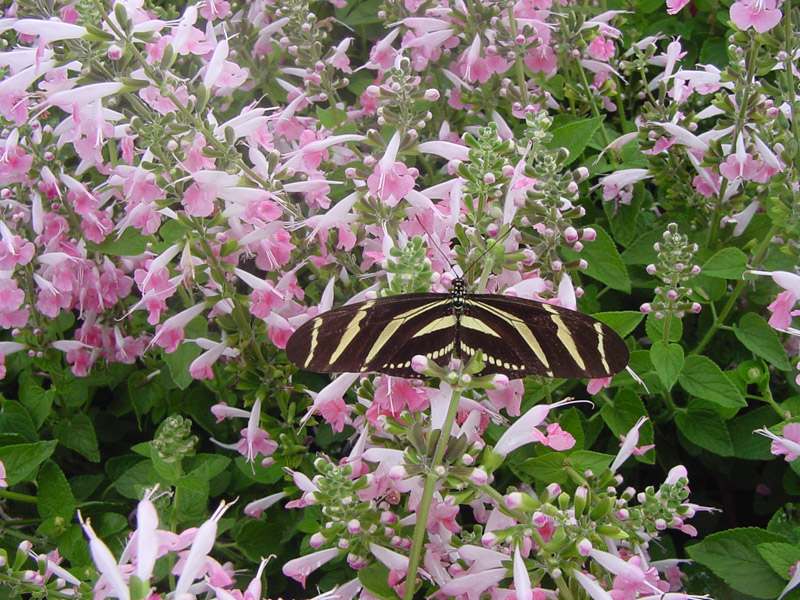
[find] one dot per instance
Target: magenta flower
(761, 15)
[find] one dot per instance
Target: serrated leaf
(780, 556)
(733, 555)
(621, 321)
(728, 263)
(130, 243)
(703, 426)
(757, 336)
(54, 496)
(22, 460)
(604, 261)
(701, 377)
(77, 433)
(574, 136)
(668, 362)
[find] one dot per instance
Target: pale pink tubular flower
(300, 568)
(3, 482)
(781, 308)
(591, 586)
(256, 507)
(447, 150)
(626, 569)
(522, 580)
(146, 536)
(201, 366)
(335, 389)
(170, 334)
(761, 15)
(788, 443)
(794, 581)
(629, 444)
(520, 434)
(252, 429)
(49, 31)
(84, 94)
(105, 561)
(204, 537)
(473, 585)
(674, 6)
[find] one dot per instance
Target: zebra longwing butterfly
(517, 337)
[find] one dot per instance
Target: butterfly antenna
(499, 239)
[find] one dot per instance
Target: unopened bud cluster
(674, 268)
(349, 522)
(398, 97)
(174, 439)
(550, 204)
(564, 525)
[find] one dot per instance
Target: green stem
(4, 493)
(758, 257)
(431, 479)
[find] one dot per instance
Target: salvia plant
(183, 186)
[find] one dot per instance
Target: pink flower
(674, 6)
(3, 482)
(788, 443)
(762, 15)
(782, 311)
(601, 48)
(300, 568)
(556, 438)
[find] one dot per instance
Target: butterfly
(517, 337)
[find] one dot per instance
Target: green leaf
(622, 413)
(654, 327)
(36, 400)
(585, 460)
(757, 336)
(77, 433)
(179, 361)
(73, 390)
(621, 321)
(605, 263)
(780, 556)
(548, 467)
(365, 13)
(733, 555)
(375, 579)
(745, 443)
(702, 425)
(701, 377)
(574, 136)
(130, 243)
(667, 361)
(728, 263)
(14, 418)
(54, 497)
(22, 460)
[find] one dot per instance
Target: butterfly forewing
(520, 338)
(381, 335)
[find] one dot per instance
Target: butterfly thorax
(458, 296)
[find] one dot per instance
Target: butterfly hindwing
(520, 337)
(380, 335)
